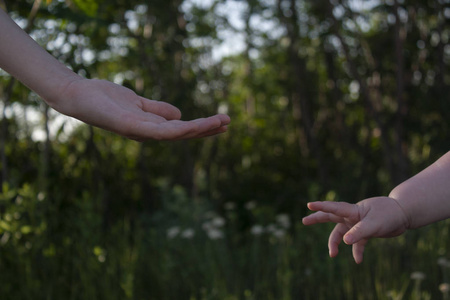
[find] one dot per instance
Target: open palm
(118, 109)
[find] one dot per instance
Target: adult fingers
(200, 134)
(177, 130)
(221, 118)
(342, 209)
(163, 109)
(335, 238)
(215, 131)
(202, 127)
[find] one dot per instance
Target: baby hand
(357, 223)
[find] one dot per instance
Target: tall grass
(189, 251)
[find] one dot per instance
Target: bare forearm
(96, 102)
(425, 198)
(23, 58)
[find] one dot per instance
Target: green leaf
(89, 7)
(5, 226)
(26, 229)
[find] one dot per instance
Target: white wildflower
(284, 221)
(172, 232)
(418, 276)
(214, 233)
(41, 196)
(250, 205)
(257, 230)
(188, 233)
(279, 233)
(218, 222)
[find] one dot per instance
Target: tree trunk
(365, 96)
(45, 154)
(399, 41)
(4, 136)
(301, 102)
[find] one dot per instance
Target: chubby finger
(342, 209)
(321, 217)
(335, 238)
(358, 250)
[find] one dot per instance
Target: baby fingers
(335, 238)
(358, 250)
(341, 209)
(322, 217)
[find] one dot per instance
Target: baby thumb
(361, 230)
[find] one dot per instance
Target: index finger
(322, 217)
(341, 209)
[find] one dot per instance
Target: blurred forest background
(330, 100)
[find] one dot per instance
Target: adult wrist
(60, 91)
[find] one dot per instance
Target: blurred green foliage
(329, 100)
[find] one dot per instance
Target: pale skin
(419, 201)
(96, 102)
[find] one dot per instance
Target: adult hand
(357, 223)
(118, 109)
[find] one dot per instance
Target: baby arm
(96, 102)
(419, 201)
(425, 198)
